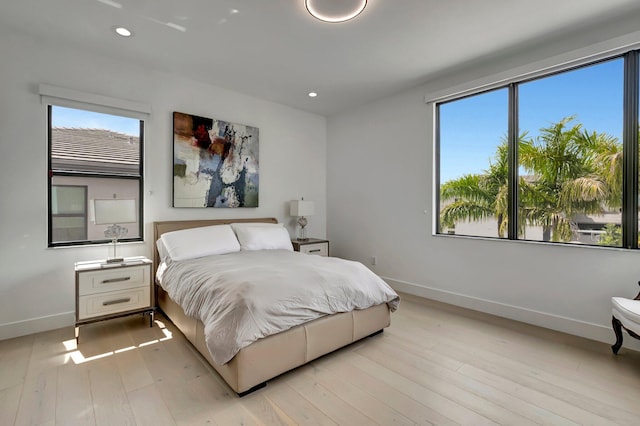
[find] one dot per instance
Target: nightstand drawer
(106, 280)
(96, 305)
(320, 249)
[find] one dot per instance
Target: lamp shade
(111, 211)
(301, 208)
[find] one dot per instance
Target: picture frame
(215, 163)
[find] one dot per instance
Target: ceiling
(274, 50)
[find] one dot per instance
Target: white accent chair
(626, 314)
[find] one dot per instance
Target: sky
(471, 128)
(70, 117)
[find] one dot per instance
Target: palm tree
(574, 171)
(568, 171)
(607, 160)
(476, 197)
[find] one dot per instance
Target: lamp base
(114, 240)
(302, 235)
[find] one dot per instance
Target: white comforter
(244, 296)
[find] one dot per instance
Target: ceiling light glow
(123, 31)
(312, 94)
(176, 27)
(111, 3)
(335, 10)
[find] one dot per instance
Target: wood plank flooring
(436, 364)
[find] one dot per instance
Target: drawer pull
(115, 280)
(116, 301)
(315, 251)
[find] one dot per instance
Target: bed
(253, 365)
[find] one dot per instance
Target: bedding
(243, 296)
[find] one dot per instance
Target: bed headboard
(160, 228)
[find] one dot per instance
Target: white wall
(37, 283)
(380, 192)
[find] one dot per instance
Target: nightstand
(312, 246)
(110, 290)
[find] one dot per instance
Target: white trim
(77, 99)
(435, 170)
(572, 326)
(37, 325)
(593, 53)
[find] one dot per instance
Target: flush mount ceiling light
(335, 10)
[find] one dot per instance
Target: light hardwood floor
(436, 364)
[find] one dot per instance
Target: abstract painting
(215, 163)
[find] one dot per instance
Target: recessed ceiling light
(335, 10)
(312, 94)
(122, 31)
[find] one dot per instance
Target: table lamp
(301, 209)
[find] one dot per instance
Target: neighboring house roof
(94, 150)
(598, 220)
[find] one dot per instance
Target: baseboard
(36, 325)
(572, 326)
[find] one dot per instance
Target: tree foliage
(566, 171)
(612, 235)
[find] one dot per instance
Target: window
(91, 156)
(546, 159)
(570, 158)
(473, 165)
(68, 213)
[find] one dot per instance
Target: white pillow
(198, 242)
(264, 238)
(162, 251)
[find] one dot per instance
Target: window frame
(51, 173)
(630, 130)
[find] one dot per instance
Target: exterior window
(544, 159)
(571, 157)
(68, 213)
(91, 156)
(473, 165)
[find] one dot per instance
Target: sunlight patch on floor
(74, 354)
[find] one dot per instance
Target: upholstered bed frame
(271, 356)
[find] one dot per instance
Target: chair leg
(617, 328)
(632, 334)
